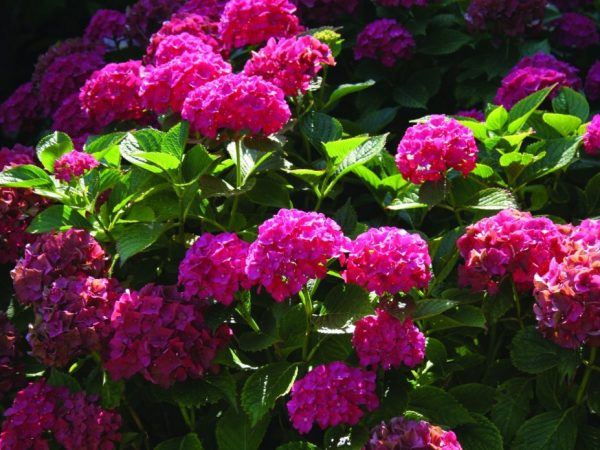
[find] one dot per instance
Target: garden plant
(307, 224)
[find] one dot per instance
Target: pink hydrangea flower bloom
(74, 421)
(65, 76)
(386, 341)
(51, 256)
(523, 82)
(510, 17)
(427, 150)
(587, 233)
(17, 207)
(209, 8)
(214, 266)
(202, 28)
(73, 165)
(291, 248)
(236, 102)
(388, 260)
(175, 45)
(592, 82)
(290, 63)
(576, 30)
(106, 24)
(12, 364)
(324, 11)
(472, 113)
(20, 111)
(591, 138)
(511, 243)
(405, 434)
(144, 17)
(160, 336)
(567, 307)
(405, 3)
(331, 395)
(73, 319)
(385, 40)
(249, 22)
(70, 118)
(546, 61)
(111, 93)
(168, 85)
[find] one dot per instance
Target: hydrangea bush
(302, 225)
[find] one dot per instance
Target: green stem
(238, 181)
(308, 308)
(517, 304)
(586, 377)
(454, 209)
(138, 423)
(186, 417)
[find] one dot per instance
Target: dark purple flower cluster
(214, 266)
(52, 256)
(71, 118)
(592, 82)
(73, 319)
(384, 40)
(386, 341)
(106, 25)
(510, 17)
(401, 433)
(145, 16)
(331, 395)
(159, 335)
(12, 375)
(20, 111)
(576, 30)
(208, 8)
(405, 3)
(74, 421)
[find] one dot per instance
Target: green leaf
(433, 192)
(365, 152)
(25, 176)
(319, 127)
(571, 102)
(234, 431)
(52, 147)
(174, 141)
(512, 405)
(347, 218)
(57, 217)
(343, 305)
(111, 392)
(410, 200)
(346, 89)
(297, 446)
(212, 186)
(268, 192)
(533, 353)
(164, 161)
(550, 430)
(518, 115)
(130, 148)
(588, 437)
(135, 238)
(336, 151)
(563, 123)
(482, 435)
(462, 316)
(265, 386)
(559, 153)
(438, 406)
(431, 307)
(196, 162)
(492, 199)
(443, 42)
(61, 379)
(475, 397)
(375, 121)
(188, 442)
(497, 118)
(592, 193)
(436, 352)
(414, 96)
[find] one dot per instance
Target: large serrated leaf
(360, 155)
(135, 238)
(234, 431)
(443, 42)
(188, 442)
(520, 112)
(24, 176)
(559, 153)
(550, 430)
(174, 140)
(482, 435)
(431, 307)
(265, 386)
(438, 406)
(52, 147)
(512, 405)
(346, 89)
(476, 397)
(571, 102)
(565, 124)
(319, 127)
(492, 199)
(343, 305)
(57, 217)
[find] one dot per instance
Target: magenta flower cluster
(236, 102)
(592, 82)
(17, 207)
(385, 341)
(591, 137)
(111, 93)
(249, 22)
(20, 110)
(430, 148)
(12, 366)
(576, 30)
(70, 118)
(388, 260)
(567, 307)
(290, 63)
(384, 40)
(291, 248)
(509, 17)
(73, 165)
(214, 267)
(401, 433)
(51, 256)
(159, 335)
(72, 319)
(74, 421)
(208, 8)
(331, 395)
(106, 24)
(472, 113)
(510, 243)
